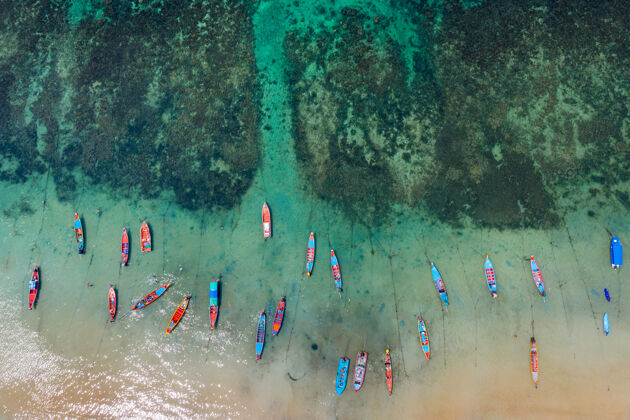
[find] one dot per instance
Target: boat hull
(33, 288)
(490, 277)
(177, 315)
(145, 238)
(151, 297)
(78, 232)
(439, 284)
(266, 221)
(359, 370)
(260, 336)
(424, 338)
(277, 321)
(606, 324)
(111, 302)
(342, 375)
(310, 254)
(124, 255)
(537, 275)
(533, 354)
(389, 379)
(214, 303)
(334, 265)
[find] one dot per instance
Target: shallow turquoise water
(77, 364)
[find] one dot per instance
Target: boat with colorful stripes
(389, 379)
(111, 302)
(334, 264)
(616, 253)
(359, 370)
(178, 314)
(214, 302)
(342, 375)
(537, 275)
(490, 278)
(277, 320)
(78, 232)
(533, 354)
(260, 335)
(424, 338)
(145, 238)
(606, 324)
(439, 284)
(124, 255)
(310, 254)
(266, 221)
(33, 287)
(148, 299)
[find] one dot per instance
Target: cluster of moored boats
(344, 363)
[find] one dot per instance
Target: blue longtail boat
(148, 299)
(342, 375)
(606, 325)
(424, 338)
(439, 284)
(214, 303)
(310, 254)
(78, 231)
(607, 295)
(536, 274)
(334, 264)
(490, 277)
(260, 336)
(616, 253)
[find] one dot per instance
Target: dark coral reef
(494, 113)
(140, 98)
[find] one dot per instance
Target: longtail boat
(111, 302)
(334, 264)
(260, 335)
(124, 255)
(342, 375)
(616, 253)
(266, 221)
(606, 325)
(33, 288)
(145, 238)
(490, 278)
(540, 285)
(533, 353)
(177, 315)
(310, 254)
(359, 370)
(439, 284)
(277, 320)
(424, 337)
(607, 295)
(214, 303)
(148, 299)
(78, 232)
(388, 372)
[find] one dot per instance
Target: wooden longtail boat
(78, 232)
(260, 335)
(33, 288)
(616, 253)
(125, 247)
(359, 370)
(266, 221)
(177, 315)
(606, 324)
(214, 303)
(388, 372)
(148, 299)
(490, 278)
(342, 375)
(424, 338)
(145, 238)
(111, 302)
(540, 285)
(310, 254)
(277, 320)
(533, 353)
(334, 264)
(439, 284)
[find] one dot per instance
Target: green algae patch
(142, 98)
(508, 115)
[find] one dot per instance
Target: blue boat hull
(606, 325)
(616, 253)
(342, 375)
(439, 284)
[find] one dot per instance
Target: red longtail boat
(177, 316)
(277, 320)
(125, 247)
(266, 221)
(111, 301)
(145, 238)
(33, 288)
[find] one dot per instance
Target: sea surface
(400, 133)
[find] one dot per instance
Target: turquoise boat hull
(439, 284)
(342, 375)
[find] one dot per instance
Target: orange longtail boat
(111, 301)
(388, 372)
(125, 247)
(145, 237)
(177, 316)
(277, 320)
(533, 353)
(266, 221)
